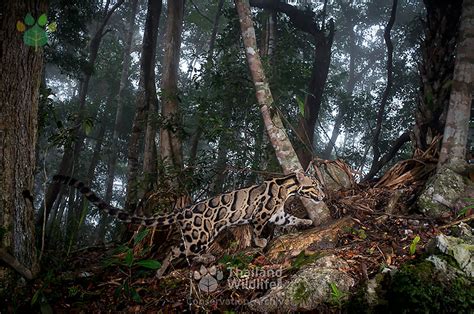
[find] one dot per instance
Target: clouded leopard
(201, 223)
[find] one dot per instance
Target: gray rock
(461, 250)
(307, 289)
(441, 192)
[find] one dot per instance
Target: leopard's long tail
(160, 220)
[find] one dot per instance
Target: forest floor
(100, 279)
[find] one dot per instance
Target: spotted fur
(202, 222)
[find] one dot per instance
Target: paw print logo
(208, 278)
(35, 36)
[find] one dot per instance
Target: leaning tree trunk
(312, 104)
(112, 160)
(147, 77)
(284, 151)
(453, 148)
(170, 139)
(323, 37)
(20, 68)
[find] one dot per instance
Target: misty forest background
(216, 117)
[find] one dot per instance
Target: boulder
(324, 281)
(441, 192)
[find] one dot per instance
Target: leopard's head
(309, 187)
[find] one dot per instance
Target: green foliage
(40, 297)
(88, 125)
(337, 296)
(29, 19)
(300, 103)
(414, 244)
(129, 263)
(465, 209)
(239, 260)
(360, 233)
(303, 259)
(68, 44)
(35, 37)
(42, 20)
(415, 289)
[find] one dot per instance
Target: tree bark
(20, 68)
(436, 69)
(323, 37)
(386, 94)
(170, 138)
(144, 99)
(284, 151)
(453, 148)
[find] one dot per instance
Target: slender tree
(112, 162)
(210, 52)
(284, 150)
(146, 98)
(386, 93)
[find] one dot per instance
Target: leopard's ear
(300, 176)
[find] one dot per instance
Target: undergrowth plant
(128, 261)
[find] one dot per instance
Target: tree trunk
(312, 104)
(147, 79)
(284, 151)
(222, 149)
(76, 208)
(112, 162)
(326, 154)
(20, 67)
(72, 152)
(345, 103)
(267, 42)
(170, 137)
(453, 148)
(323, 36)
(386, 94)
(436, 69)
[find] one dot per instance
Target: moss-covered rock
(441, 192)
(419, 288)
(323, 281)
(461, 251)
